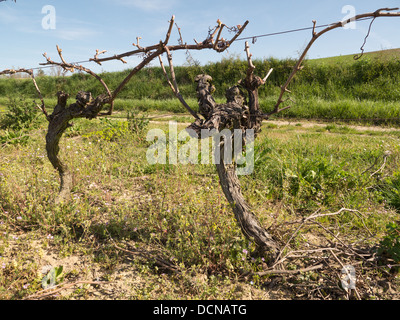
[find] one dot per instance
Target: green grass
(349, 110)
(364, 91)
(178, 213)
(311, 108)
(389, 54)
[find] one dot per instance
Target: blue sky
(86, 25)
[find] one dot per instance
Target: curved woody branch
(384, 12)
(41, 107)
(72, 67)
(235, 114)
(88, 107)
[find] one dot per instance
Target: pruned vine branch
(240, 112)
(72, 67)
(384, 12)
(174, 86)
(41, 107)
(90, 107)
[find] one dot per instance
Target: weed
(20, 118)
(389, 247)
(176, 212)
(20, 115)
(137, 125)
(390, 191)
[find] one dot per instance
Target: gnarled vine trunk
(59, 121)
(234, 115)
(86, 107)
(247, 220)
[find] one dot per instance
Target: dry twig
(162, 263)
(51, 292)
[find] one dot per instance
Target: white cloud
(148, 5)
(8, 16)
(60, 33)
(75, 33)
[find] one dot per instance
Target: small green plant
(390, 245)
(14, 137)
(53, 277)
(113, 130)
(20, 115)
(316, 180)
(137, 124)
(390, 191)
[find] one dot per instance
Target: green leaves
(53, 277)
(390, 245)
(20, 115)
(390, 191)
(14, 137)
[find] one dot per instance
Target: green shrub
(113, 130)
(14, 137)
(136, 124)
(390, 191)
(389, 247)
(305, 174)
(20, 115)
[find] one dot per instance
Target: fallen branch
(347, 273)
(303, 221)
(162, 263)
(291, 272)
(385, 156)
(50, 291)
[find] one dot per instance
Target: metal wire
(253, 38)
(293, 30)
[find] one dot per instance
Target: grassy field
(383, 55)
(327, 190)
(330, 89)
(139, 231)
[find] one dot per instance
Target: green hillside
(382, 55)
(329, 88)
